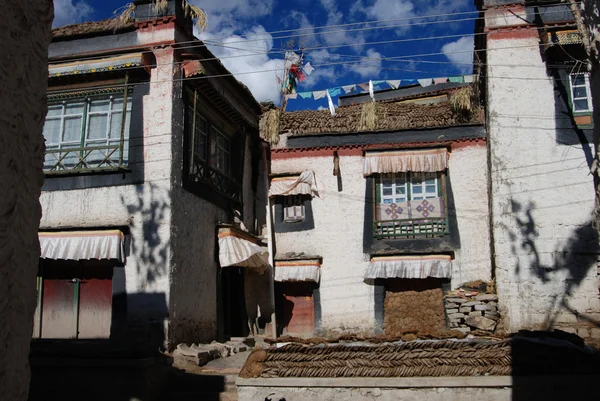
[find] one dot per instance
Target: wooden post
(123, 121)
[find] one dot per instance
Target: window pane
(398, 200)
(72, 129)
(54, 110)
(115, 126)
(578, 79)
(387, 191)
(581, 104)
(97, 128)
(99, 105)
(74, 108)
(430, 190)
(52, 131)
(401, 190)
(580, 92)
(417, 189)
(387, 201)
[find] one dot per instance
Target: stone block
(486, 297)
(453, 325)
(476, 313)
(463, 329)
(480, 322)
(492, 313)
(456, 316)
(583, 333)
(456, 300)
(595, 333)
(450, 305)
(493, 317)
(483, 307)
(465, 309)
(451, 311)
(236, 347)
(472, 303)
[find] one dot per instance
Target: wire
(198, 43)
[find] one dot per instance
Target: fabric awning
(82, 245)
(192, 68)
(429, 160)
(303, 184)
(298, 270)
(94, 66)
(410, 266)
(242, 250)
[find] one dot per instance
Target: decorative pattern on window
(87, 133)
(581, 95)
(210, 153)
(293, 209)
(410, 205)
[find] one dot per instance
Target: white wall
(346, 300)
(542, 192)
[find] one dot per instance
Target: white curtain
(82, 245)
(303, 184)
(429, 160)
(438, 266)
(235, 250)
(298, 270)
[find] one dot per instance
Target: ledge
(415, 382)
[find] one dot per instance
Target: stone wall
(476, 312)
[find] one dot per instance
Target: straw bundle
(371, 113)
(123, 16)
(462, 101)
(197, 14)
(269, 126)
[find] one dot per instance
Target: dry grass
(197, 14)
(370, 115)
(269, 126)
(462, 100)
(123, 16)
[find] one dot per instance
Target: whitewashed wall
(542, 192)
(347, 302)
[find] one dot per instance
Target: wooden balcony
(84, 159)
(202, 172)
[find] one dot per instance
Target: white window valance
(302, 184)
(82, 245)
(242, 250)
(298, 270)
(429, 160)
(97, 65)
(410, 266)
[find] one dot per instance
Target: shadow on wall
(150, 210)
(576, 257)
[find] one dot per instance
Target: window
(85, 133)
(396, 188)
(293, 209)
(580, 92)
(410, 205)
(211, 160)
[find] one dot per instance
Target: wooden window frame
(111, 154)
(587, 87)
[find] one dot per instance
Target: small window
(581, 97)
(85, 133)
(293, 209)
(401, 187)
(219, 152)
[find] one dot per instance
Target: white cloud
(369, 66)
(242, 54)
(460, 52)
(70, 12)
(339, 35)
(230, 15)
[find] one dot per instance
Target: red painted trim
(168, 20)
(527, 32)
(358, 150)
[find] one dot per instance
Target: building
(153, 176)
(378, 209)
(540, 125)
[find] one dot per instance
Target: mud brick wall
(413, 306)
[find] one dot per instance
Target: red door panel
(299, 308)
(58, 309)
(95, 308)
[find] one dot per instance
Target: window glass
(580, 92)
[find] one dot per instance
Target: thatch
(269, 126)
(124, 15)
(107, 26)
(160, 6)
(381, 117)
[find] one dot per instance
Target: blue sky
(244, 34)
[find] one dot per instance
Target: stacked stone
(469, 312)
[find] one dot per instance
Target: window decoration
(293, 209)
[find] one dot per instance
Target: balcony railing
(84, 159)
(202, 172)
(414, 228)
